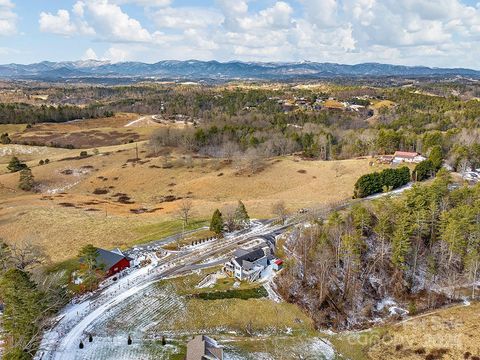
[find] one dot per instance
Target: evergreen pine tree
(26, 181)
(15, 165)
(216, 225)
(436, 157)
(401, 244)
(23, 308)
(241, 215)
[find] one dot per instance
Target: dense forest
(19, 113)
(420, 250)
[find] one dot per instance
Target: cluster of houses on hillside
(306, 104)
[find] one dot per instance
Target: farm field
(109, 199)
(119, 129)
(447, 333)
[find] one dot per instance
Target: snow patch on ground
(13, 150)
(317, 348)
(210, 280)
(390, 304)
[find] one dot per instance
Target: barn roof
(405, 154)
(110, 258)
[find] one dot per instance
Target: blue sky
(442, 33)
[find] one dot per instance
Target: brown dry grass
(333, 104)
(73, 215)
(383, 103)
(87, 133)
(454, 330)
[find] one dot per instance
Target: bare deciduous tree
(25, 255)
(279, 209)
(228, 215)
(185, 211)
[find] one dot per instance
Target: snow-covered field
(16, 150)
(306, 348)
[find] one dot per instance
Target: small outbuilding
(277, 264)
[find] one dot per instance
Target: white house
(247, 264)
(408, 157)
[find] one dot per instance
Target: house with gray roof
(248, 264)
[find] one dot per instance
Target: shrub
(15, 165)
(423, 170)
(83, 153)
(5, 139)
(26, 181)
(376, 182)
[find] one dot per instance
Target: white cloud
(321, 12)
(61, 23)
(146, 3)
(440, 33)
(187, 17)
(57, 24)
(90, 54)
(115, 54)
(113, 24)
(8, 18)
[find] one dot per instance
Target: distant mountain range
(214, 70)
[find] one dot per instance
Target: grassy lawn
(355, 345)
(243, 310)
(164, 229)
(12, 128)
(252, 316)
(188, 239)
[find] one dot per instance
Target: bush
(424, 170)
(5, 139)
(15, 165)
(83, 154)
(41, 162)
(26, 181)
(374, 183)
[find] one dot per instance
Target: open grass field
(383, 103)
(116, 130)
(449, 333)
(109, 199)
(12, 129)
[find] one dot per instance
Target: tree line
(419, 249)
(20, 113)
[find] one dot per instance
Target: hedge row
(377, 182)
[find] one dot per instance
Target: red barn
(112, 261)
